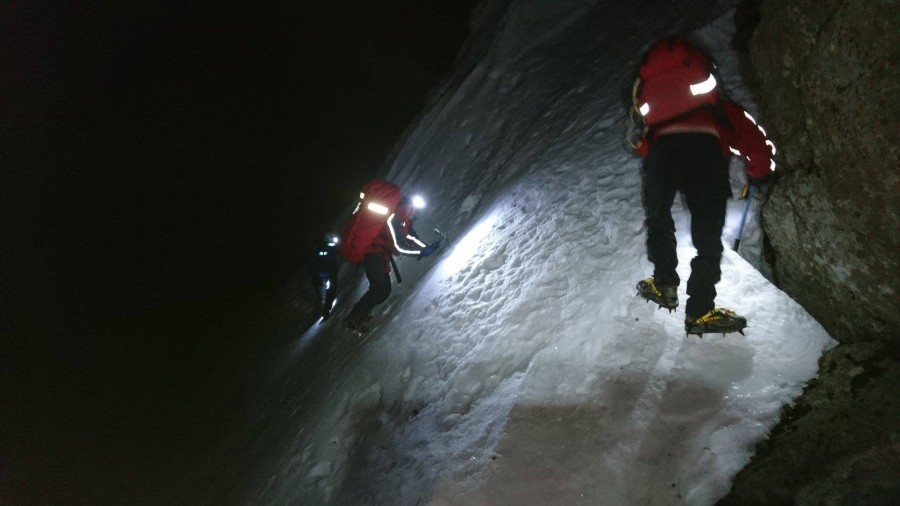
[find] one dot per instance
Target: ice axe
(436, 244)
(748, 192)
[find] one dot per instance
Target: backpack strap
(637, 129)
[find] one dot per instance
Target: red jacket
(397, 237)
(742, 135)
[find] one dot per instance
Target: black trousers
(694, 165)
(379, 286)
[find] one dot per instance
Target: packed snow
(517, 365)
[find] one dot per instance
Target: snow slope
(517, 366)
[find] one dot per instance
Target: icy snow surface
(517, 366)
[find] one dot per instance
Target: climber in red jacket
(397, 237)
(689, 137)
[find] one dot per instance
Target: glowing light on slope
(466, 248)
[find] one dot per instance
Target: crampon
(718, 320)
(665, 296)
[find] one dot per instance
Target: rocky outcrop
(827, 81)
(837, 444)
(827, 72)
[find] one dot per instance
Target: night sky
(155, 144)
(165, 164)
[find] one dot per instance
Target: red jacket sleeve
(401, 238)
(749, 139)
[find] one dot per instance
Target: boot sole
(700, 332)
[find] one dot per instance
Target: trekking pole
(749, 192)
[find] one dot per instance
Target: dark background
(166, 166)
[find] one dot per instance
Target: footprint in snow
(494, 261)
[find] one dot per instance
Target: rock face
(837, 444)
(827, 73)
(827, 80)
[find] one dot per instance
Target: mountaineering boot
(665, 296)
(718, 320)
(359, 327)
(351, 325)
(363, 325)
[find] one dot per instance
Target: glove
(428, 250)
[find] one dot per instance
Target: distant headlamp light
(418, 202)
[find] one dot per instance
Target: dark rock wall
(837, 443)
(826, 76)
(828, 83)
